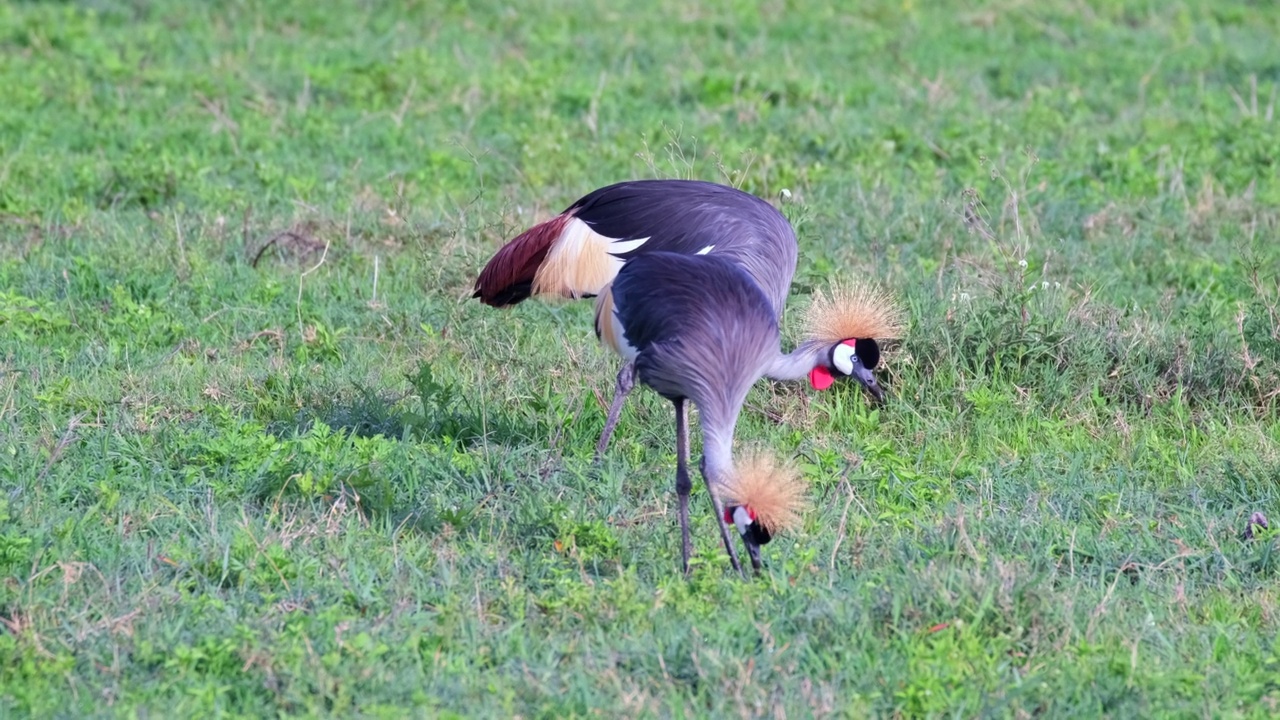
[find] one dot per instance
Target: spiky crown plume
(771, 489)
(853, 310)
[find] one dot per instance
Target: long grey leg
(684, 485)
(626, 381)
(719, 511)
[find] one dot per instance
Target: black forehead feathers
(757, 534)
(868, 352)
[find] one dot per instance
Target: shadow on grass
(433, 410)
(375, 448)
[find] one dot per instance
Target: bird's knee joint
(627, 377)
(684, 484)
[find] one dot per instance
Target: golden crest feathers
(853, 310)
(773, 490)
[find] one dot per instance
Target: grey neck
(796, 364)
(718, 424)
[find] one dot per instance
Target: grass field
(261, 455)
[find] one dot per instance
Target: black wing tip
(507, 296)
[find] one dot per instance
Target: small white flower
(1044, 284)
(964, 297)
(1057, 286)
(786, 194)
(1022, 263)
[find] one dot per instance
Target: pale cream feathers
(581, 262)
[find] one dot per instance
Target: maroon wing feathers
(508, 277)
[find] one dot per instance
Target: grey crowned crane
(579, 252)
(699, 329)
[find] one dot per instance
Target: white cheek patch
(842, 358)
(742, 518)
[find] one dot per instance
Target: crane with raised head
(698, 329)
(577, 253)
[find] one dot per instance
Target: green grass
(260, 454)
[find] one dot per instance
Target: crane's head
(762, 498)
(850, 319)
(855, 358)
(753, 533)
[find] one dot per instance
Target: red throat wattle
(820, 378)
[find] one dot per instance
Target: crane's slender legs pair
(626, 381)
(683, 487)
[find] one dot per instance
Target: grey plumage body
(701, 327)
(703, 332)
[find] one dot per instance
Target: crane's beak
(754, 551)
(867, 379)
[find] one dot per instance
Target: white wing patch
(620, 247)
(705, 250)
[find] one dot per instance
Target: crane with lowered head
(698, 329)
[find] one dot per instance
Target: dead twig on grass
(59, 447)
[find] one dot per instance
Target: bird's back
(692, 216)
(700, 326)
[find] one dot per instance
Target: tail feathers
(509, 277)
(773, 490)
(853, 311)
